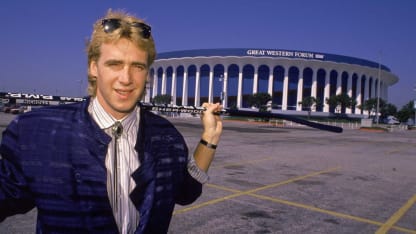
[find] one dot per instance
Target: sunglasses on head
(109, 25)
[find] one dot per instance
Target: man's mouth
(123, 93)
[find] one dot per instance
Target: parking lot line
(242, 162)
(384, 227)
(333, 213)
(293, 180)
(396, 216)
(313, 208)
(241, 193)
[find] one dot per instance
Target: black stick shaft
(285, 117)
(242, 113)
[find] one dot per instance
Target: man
(105, 165)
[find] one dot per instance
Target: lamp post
(378, 90)
(414, 107)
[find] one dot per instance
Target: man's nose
(125, 75)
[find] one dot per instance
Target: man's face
(121, 73)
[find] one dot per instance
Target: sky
(42, 42)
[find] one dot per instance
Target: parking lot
(268, 179)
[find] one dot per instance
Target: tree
(385, 109)
(259, 100)
(346, 101)
(370, 106)
(162, 99)
(407, 112)
(308, 103)
(340, 102)
(332, 102)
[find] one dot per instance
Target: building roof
(272, 53)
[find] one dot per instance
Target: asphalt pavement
(272, 179)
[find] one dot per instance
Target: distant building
(192, 77)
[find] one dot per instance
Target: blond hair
(127, 31)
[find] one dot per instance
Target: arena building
(230, 76)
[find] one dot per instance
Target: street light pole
(378, 91)
(414, 107)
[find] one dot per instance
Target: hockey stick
(242, 113)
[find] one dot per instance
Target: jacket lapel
(142, 195)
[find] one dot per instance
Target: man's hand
(211, 122)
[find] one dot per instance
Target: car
(391, 120)
(18, 110)
(7, 109)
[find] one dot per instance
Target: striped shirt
(128, 162)
(127, 217)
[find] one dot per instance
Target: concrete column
(285, 89)
(314, 89)
(211, 85)
(339, 83)
(300, 90)
(155, 84)
(148, 92)
(163, 90)
(240, 88)
(359, 95)
(173, 91)
(197, 98)
(366, 92)
(256, 80)
(326, 91)
(373, 85)
(270, 85)
(185, 88)
(349, 93)
(366, 89)
(225, 88)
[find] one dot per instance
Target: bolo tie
(117, 130)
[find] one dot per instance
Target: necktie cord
(117, 130)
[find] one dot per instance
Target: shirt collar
(105, 120)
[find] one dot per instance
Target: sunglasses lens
(146, 33)
(110, 25)
(146, 29)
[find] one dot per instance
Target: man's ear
(93, 69)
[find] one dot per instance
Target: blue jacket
(53, 159)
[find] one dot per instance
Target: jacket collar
(86, 119)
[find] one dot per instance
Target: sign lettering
(285, 53)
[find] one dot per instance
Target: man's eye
(138, 67)
(116, 66)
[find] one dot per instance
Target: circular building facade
(230, 76)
